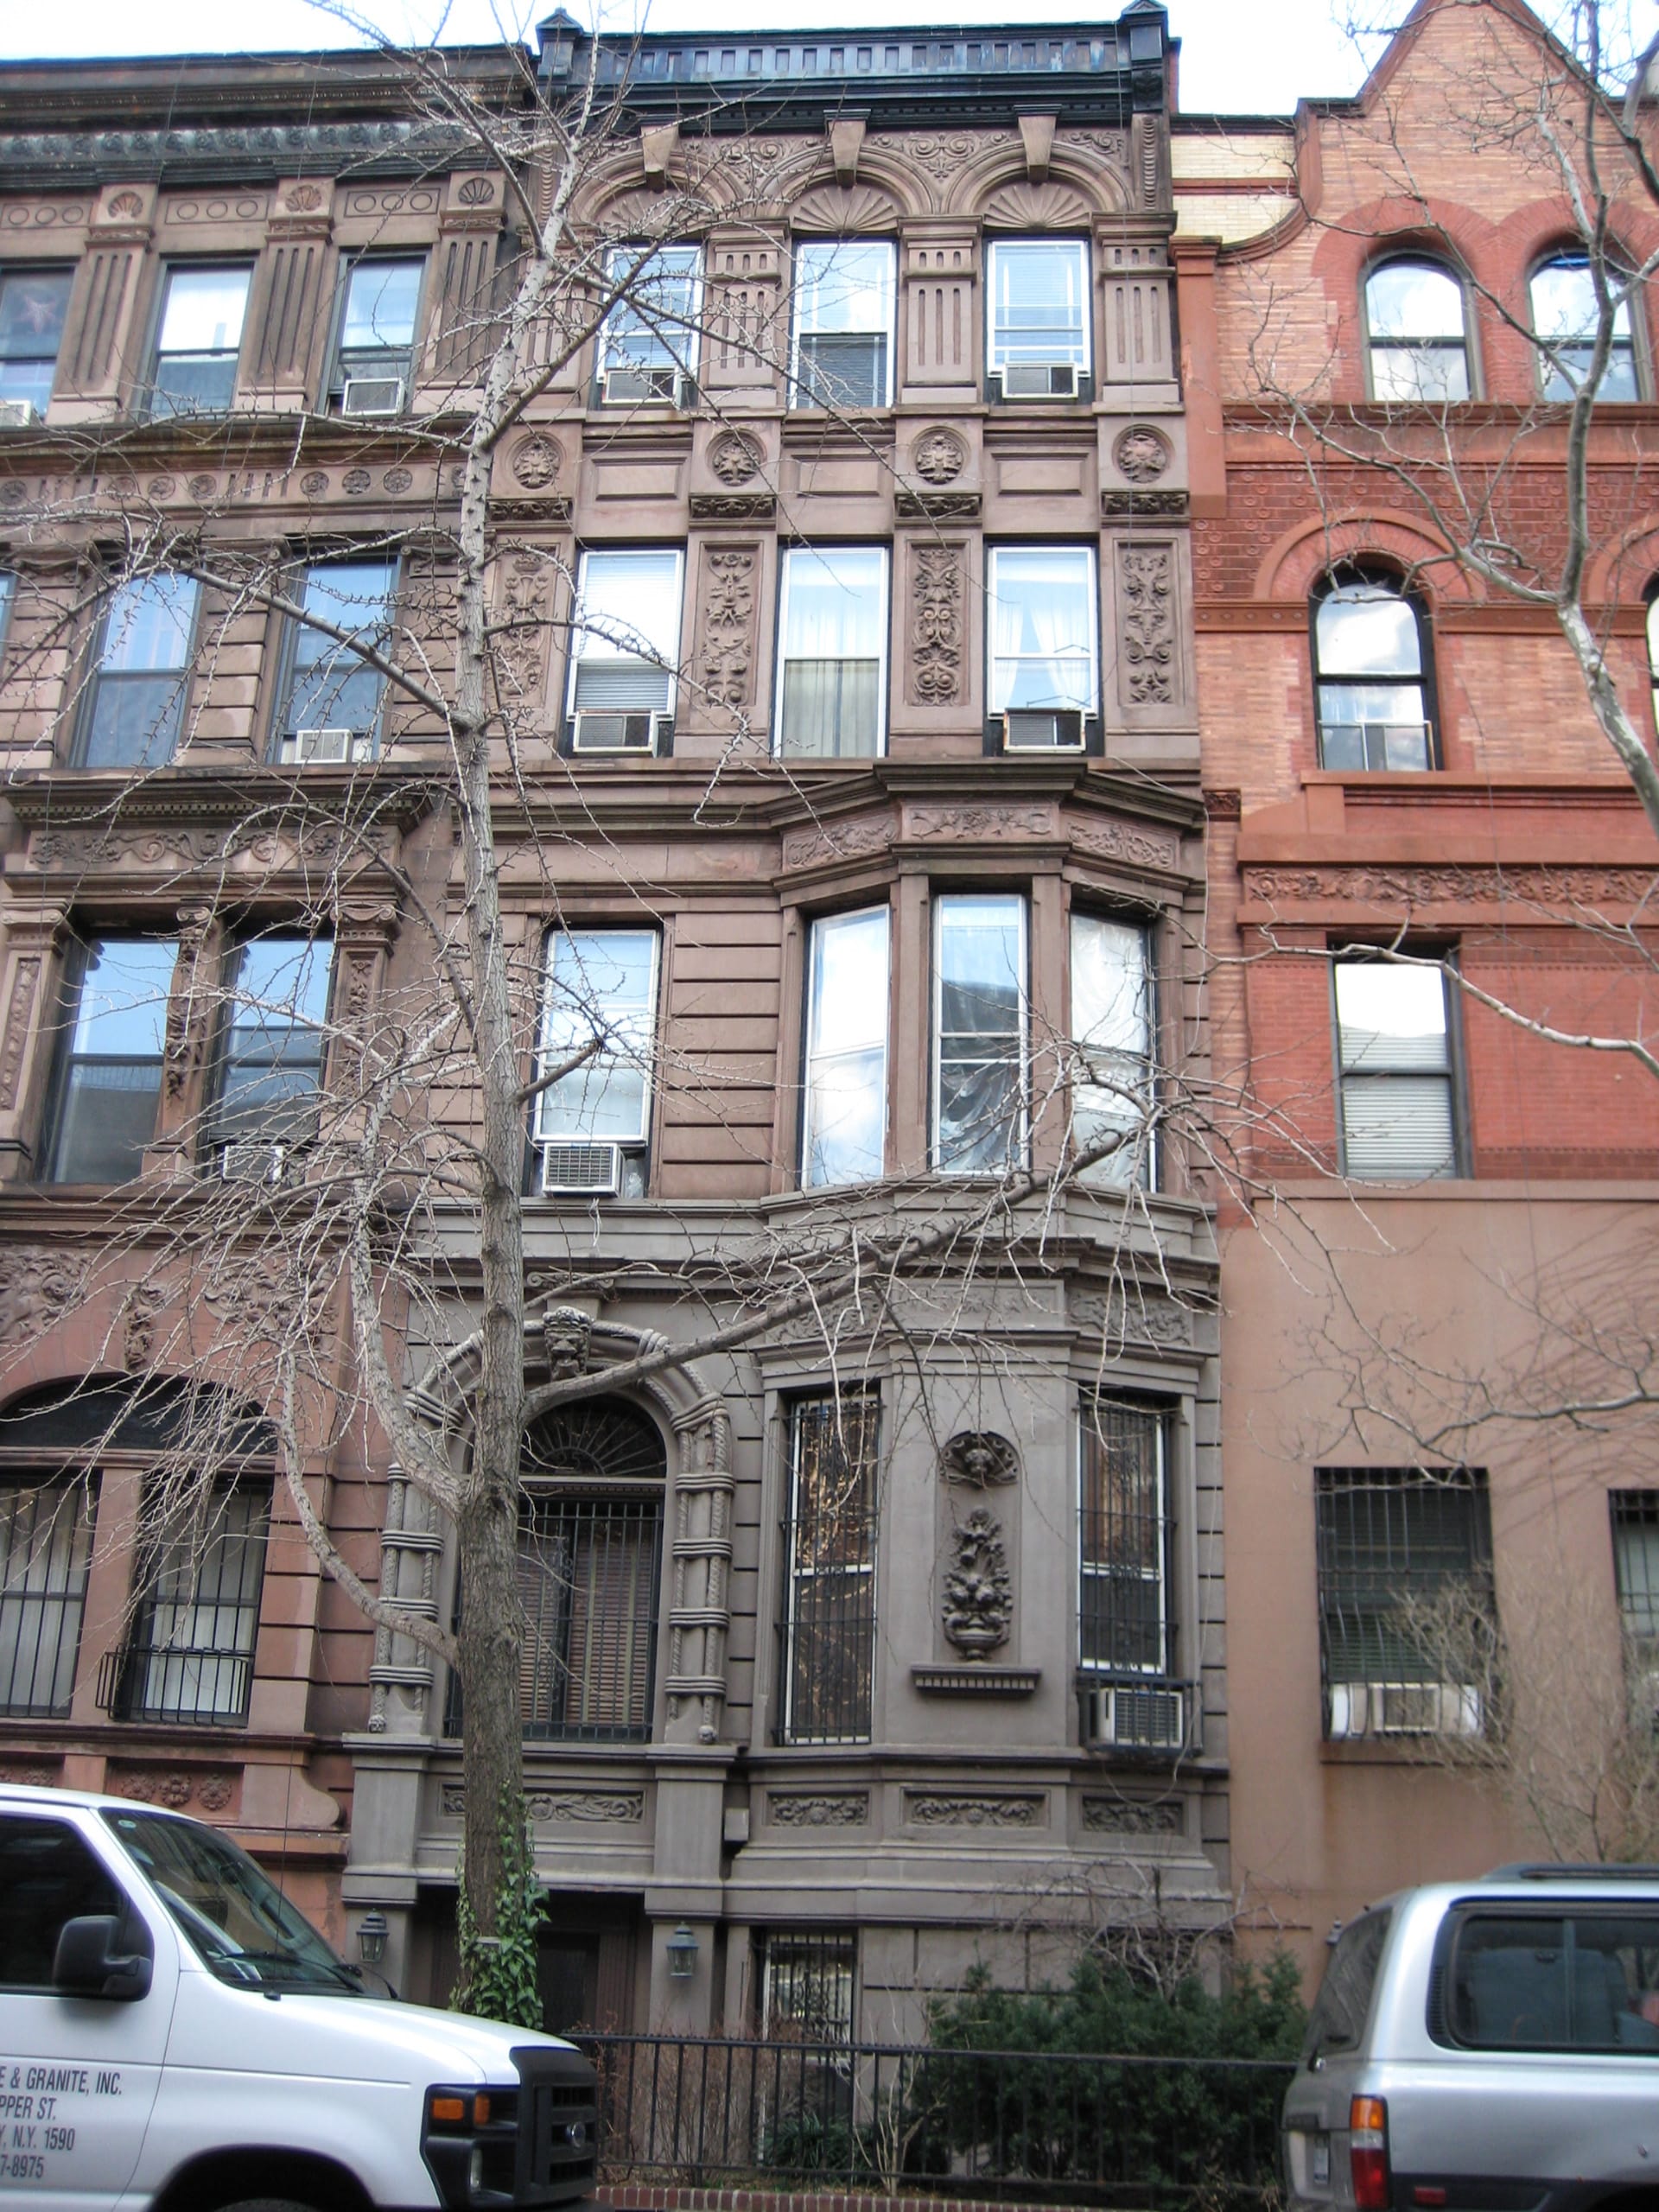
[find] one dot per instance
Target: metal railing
(189, 1685)
(1048, 2127)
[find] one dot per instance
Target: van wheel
(267, 2204)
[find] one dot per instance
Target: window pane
(979, 1067)
(1510, 1982)
(45, 1544)
(150, 623)
(1365, 629)
(1636, 1563)
(1111, 1028)
(628, 606)
(33, 305)
(1042, 625)
(1039, 299)
(655, 325)
(846, 286)
(48, 1876)
(1414, 299)
(204, 310)
(830, 1625)
(807, 1987)
(1388, 1540)
(599, 983)
(587, 1574)
(846, 1115)
(834, 638)
(331, 689)
(113, 1075)
(122, 1007)
(1123, 1540)
(1390, 1019)
(271, 1067)
(191, 1658)
(1565, 317)
(380, 303)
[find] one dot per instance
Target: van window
(1553, 1981)
(1338, 2020)
(47, 1876)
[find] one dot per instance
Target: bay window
(843, 324)
(845, 1117)
(108, 1082)
(624, 651)
(979, 1034)
(1045, 686)
(832, 661)
(1037, 332)
(1112, 1041)
(135, 701)
(591, 1124)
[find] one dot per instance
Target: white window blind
(1396, 1062)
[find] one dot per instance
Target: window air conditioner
(1142, 1718)
(256, 1161)
(303, 744)
(1360, 1709)
(371, 396)
(1040, 380)
(613, 730)
(18, 415)
(578, 1168)
(1028, 729)
(643, 387)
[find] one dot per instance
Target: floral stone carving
(726, 650)
(1148, 583)
(536, 461)
(936, 625)
(978, 1608)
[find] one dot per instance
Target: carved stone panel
(1147, 591)
(977, 1611)
(938, 622)
(525, 611)
(726, 625)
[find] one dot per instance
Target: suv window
(1340, 2010)
(47, 1876)
(1583, 1980)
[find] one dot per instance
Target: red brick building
(1436, 1236)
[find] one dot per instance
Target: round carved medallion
(939, 456)
(736, 458)
(397, 480)
(161, 487)
(536, 461)
(202, 487)
(314, 483)
(356, 482)
(1141, 453)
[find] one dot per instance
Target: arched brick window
(1372, 673)
(1416, 325)
(1565, 317)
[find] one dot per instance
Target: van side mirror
(88, 1963)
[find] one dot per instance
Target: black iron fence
(1055, 2128)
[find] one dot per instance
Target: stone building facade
(1447, 1258)
(868, 1648)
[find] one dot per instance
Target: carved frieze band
(20, 1007)
(947, 1809)
(848, 1809)
(1133, 1816)
(560, 1807)
(1394, 887)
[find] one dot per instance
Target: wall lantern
(682, 1949)
(372, 1933)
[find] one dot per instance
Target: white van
(174, 2035)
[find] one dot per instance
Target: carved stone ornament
(927, 1810)
(939, 456)
(355, 482)
(726, 643)
(978, 1608)
(979, 1456)
(536, 461)
(477, 192)
(1570, 890)
(936, 625)
(848, 1809)
(1141, 453)
(305, 199)
(560, 1807)
(1133, 1816)
(567, 1341)
(736, 458)
(397, 481)
(1148, 622)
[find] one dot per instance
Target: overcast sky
(1246, 59)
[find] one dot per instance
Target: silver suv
(1490, 2044)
